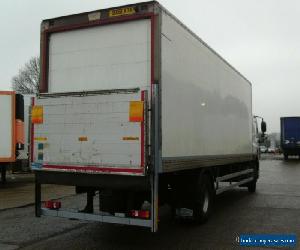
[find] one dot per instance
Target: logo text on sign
(121, 11)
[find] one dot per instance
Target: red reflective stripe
(95, 168)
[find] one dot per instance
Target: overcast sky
(260, 38)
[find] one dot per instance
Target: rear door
(115, 56)
(93, 117)
(291, 129)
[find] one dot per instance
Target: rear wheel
(252, 186)
(112, 201)
(3, 174)
(203, 203)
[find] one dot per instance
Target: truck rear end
(91, 119)
(290, 136)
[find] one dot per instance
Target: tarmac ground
(273, 209)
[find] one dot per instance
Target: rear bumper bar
(96, 217)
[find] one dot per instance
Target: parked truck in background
(136, 106)
(11, 129)
(22, 160)
(290, 136)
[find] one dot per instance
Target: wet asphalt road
(274, 208)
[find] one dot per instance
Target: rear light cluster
(52, 204)
(143, 214)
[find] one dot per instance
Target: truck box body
(205, 103)
(7, 126)
(290, 135)
(134, 104)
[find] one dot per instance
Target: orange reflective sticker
(37, 114)
(83, 138)
(136, 111)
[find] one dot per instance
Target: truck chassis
(185, 182)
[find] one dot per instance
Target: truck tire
(252, 186)
(203, 203)
(120, 201)
(105, 203)
(3, 174)
(112, 201)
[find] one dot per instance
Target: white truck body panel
(103, 122)
(105, 57)
(6, 126)
(206, 104)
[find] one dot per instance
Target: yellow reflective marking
(40, 138)
(130, 138)
(82, 138)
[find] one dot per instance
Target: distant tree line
(28, 78)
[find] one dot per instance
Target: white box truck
(11, 129)
(134, 104)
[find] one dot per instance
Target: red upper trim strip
(152, 48)
(44, 64)
(100, 22)
(7, 92)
